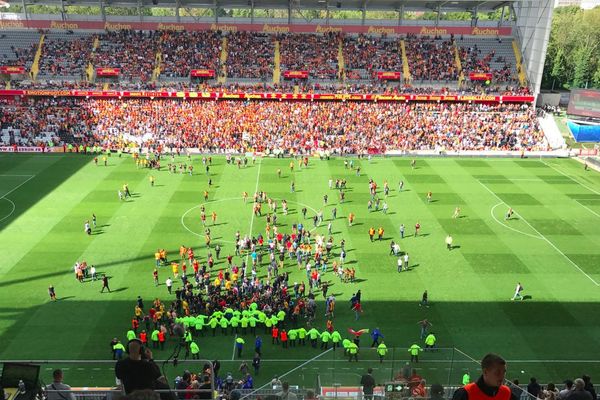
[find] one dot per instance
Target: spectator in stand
(589, 386)
(563, 394)
(57, 390)
(533, 388)
(579, 392)
(250, 55)
(138, 371)
(285, 393)
(368, 384)
(490, 384)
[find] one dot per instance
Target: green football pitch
(550, 245)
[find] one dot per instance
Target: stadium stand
(65, 56)
(250, 56)
(314, 53)
(183, 51)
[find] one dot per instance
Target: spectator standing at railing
(368, 384)
(57, 390)
(579, 392)
(490, 384)
(285, 393)
(138, 371)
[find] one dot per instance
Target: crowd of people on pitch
(337, 127)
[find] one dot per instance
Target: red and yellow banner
(389, 75)
(202, 73)
(108, 71)
(480, 76)
(295, 74)
(266, 96)
(8, 70)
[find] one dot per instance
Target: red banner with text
(295, 74)
(389, 76)
(480, 76)
(108, 71)
(8, 70)
(202, 73)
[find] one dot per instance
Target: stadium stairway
(158, 63)
(277, 64)
(519, 64)
(223, 75)
(89, 70)
(405, 68)
(461, 75)
(341, 62)
(35, 67)
(551, 131)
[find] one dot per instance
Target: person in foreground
(490, 384)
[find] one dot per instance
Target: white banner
(23, 149)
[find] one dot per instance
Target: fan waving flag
(359, 332)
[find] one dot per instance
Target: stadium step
(158, 63)
(277, 64)
(405, 68)
(461, 75)
(519, 64)
(35, 67)
(341, 62)
(223, 57)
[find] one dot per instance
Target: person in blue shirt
(258, 345)
(376, 335)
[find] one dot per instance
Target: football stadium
(301, 199)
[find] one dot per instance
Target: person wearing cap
(490, 385)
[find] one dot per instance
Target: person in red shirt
(275, 335)
(417, 228)
(135, 324)
(284, 338)
(161, 339)
(144, 337)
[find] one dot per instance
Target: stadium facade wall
(266, 28)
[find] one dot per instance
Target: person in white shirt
(93, 272)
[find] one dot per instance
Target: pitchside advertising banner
(266, 96)
(24, 149)
(267, 28)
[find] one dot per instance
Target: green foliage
(573, 57)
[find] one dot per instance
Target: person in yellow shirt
(227, 285)
(175, 269)
(151, 180)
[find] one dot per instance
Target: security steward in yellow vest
(490, 385)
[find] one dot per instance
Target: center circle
(191, 229)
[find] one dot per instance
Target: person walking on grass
(105, 284)
(518, 290)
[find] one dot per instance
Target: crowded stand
(370, 54)
(338, 127)
(473, 61)
(250, 55)
(61, 58)
(184, 51)
(316, 54)
(134, 52)
(431, 59)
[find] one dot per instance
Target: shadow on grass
(44, 181)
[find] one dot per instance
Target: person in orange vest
(490, 385)
(275, 334)
(284, 338)
(144, 337)
(380, 233)
(135, 324)
(161, 339)
(371, 233)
